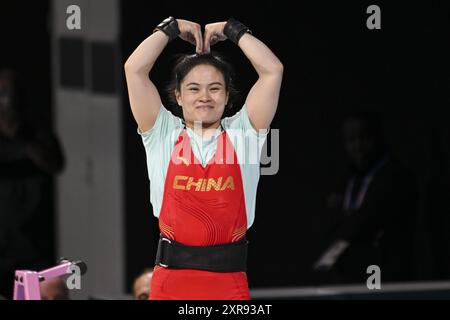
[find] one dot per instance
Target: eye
(193, 89)
(215, 89)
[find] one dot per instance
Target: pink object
(26, 282)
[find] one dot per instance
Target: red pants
(188, 284)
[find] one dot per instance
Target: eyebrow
(210, 84)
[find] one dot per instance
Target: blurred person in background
(54, 289)
(30, 154)
(374, 209)
(141, 285)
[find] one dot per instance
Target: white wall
(90, 201)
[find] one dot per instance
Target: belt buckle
(159, 263)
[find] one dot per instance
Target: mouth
(204, 107)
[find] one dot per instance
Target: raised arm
(144, 97)
(262, 99)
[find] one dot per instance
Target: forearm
(49, 163)
(145, 55)
(45, 152)
(261, 57)
(365, 223)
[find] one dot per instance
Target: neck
(370, 163)
(205, 130)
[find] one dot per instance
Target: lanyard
(355, 204)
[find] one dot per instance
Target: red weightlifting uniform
(202, 206)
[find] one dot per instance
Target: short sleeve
(158, 143)
(241, 121)
(248, 145)
(165, 125)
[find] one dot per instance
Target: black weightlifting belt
(228, 257)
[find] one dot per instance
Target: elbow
(59, 165)
(55, 163)
(275, 69)
(128, 66)
(132, 68)
(278, 68)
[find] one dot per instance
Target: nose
(204, 97)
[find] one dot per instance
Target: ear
(226, 100)
(178, 97)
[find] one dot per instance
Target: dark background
(25, 46)
(332, 61)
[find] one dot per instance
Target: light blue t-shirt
(159, 142)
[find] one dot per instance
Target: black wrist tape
(170, 27)
(234, 30)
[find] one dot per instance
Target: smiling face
(203, 96)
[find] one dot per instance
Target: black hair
(186, 62)
(144, 271)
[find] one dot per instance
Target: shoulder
(166, 123)
(241, 121)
